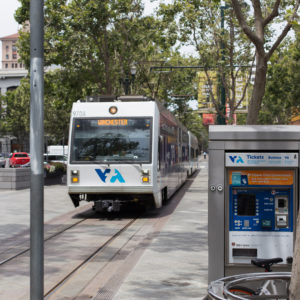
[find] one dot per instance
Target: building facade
(10, 55)
(12, 70)
(11, 73)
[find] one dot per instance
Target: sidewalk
(15, 208)
(175, 265)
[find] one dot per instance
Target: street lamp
(129, 79)
(222, 107)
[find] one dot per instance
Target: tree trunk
(295, 283)
(258, 90)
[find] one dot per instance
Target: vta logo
(239, 160)
(103, 175)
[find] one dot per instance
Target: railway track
(100, 277)
(87, 225)
(86, 261)
(27, 249)
(23, 246)
(89, 258)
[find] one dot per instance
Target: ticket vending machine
(260, 216)
(253, 198)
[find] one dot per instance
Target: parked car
(2, 161)
(27, 165)
(18, 158)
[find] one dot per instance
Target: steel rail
(45, 240)
(85, 261)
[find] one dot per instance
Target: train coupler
(107, 205)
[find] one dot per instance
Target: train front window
(111, 140)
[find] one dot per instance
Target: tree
(61, 90)
(17, 104)
(224, 52)
(95, 43)
(264, 13)
(278, 103)
(97, 40)
(295, 74)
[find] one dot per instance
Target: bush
(55, 169)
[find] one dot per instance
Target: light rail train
(128, 149)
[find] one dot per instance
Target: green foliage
(99, 40)
(295, 75)
(95, 43)
(218, 40)
(61, 90)
(17, 111)
(281, 100)
(55, 169)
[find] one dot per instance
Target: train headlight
(145, 176)
(145, 172)
(113, 110)
(74, 176)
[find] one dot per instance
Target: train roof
(113, 98)
(132, 98)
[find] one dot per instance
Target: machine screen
(246, 205)
(281, 203)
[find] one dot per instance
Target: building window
(20, 65)
(6, 66)
(14, 56)
(16, 66)
(7, 48)
(7, 56)
(12, 65)
(14, 48)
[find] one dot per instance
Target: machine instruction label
(268, 245)
(261, 177)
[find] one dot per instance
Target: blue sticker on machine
(236, 178)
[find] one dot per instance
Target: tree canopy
(95, 44)
(257, 27)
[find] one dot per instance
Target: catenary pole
(221, 116)
(36, 150)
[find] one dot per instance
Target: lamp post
(129, 79)
(36, 149)
(222, 106)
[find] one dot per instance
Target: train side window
(176, 154)
(161, 155)
(183, 154)
(163, 148)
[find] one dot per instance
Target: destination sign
(113, 122)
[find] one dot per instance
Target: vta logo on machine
(236, 159)
(113, 179)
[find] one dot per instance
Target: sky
(8, 25)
